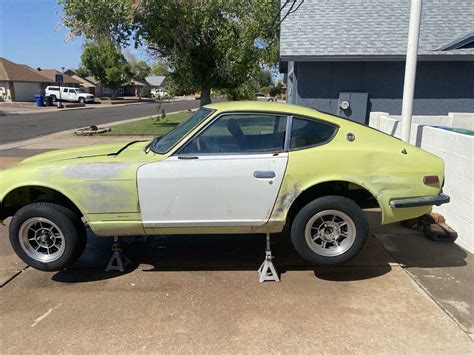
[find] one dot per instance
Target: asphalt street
(19, 127)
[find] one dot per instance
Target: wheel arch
(20, 196)
(360, 194)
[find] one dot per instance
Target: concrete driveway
(200, 294)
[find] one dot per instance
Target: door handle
(264, 174)
(184, 157)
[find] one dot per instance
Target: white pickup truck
(69, 94)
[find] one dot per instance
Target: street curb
(98, 106)
(68, 132)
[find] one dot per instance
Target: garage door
(26, 91)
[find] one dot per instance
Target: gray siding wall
(441, 87)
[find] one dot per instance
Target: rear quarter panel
(373, 160)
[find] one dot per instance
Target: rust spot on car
(286, 198)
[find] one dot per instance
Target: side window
(247, 133)
(306, 133)
(64, 90)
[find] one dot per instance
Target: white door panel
(218, 190)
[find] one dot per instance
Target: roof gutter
(445, 57)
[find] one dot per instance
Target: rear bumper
(420, 201)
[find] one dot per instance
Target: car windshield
(165, 143)
(80, 91)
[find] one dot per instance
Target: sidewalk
(64, 139)
(20, 108)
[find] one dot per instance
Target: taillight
(431, 180)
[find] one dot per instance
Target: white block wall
(457, 150)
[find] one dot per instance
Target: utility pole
(410, 68)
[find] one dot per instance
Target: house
(19, 82)
(50, 74)
(103, 91)
(156, 81)
(87, 85)
(347, 57)
(134, 87)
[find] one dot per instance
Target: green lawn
(148, 126)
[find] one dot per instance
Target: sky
(31, 33)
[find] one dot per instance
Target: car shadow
(211, 253)
(239, 252)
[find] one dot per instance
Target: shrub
(145, 92)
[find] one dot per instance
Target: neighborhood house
(348, 57)
(20, 82)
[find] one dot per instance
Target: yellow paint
(103, 186)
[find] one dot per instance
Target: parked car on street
(263, 97)
(159, 93)
(69, 94)
(234, 167)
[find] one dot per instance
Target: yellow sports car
(237, 167)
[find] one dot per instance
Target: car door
(229, 174)
(73, 95)
(64, 94)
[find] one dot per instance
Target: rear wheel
(47, 236)
(330, 230)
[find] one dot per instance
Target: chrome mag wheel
(330, 233)
(41, 239)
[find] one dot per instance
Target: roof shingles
(330, 28)
(10, 71)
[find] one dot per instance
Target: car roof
(62, 87)
(284, 108)
(267, 107)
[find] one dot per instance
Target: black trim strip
(437, 200)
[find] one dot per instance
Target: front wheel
(330, 230)
(46, 236)
(82, 100)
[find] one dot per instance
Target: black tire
(67, 222)
(82, 100)
(347, 247)
(53, 97)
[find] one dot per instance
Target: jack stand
(118, 261)
(267, 271)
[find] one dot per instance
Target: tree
(140, 69)
(81, 71)
(160, 69)
(107, 64)
(207, 44)
(264, 78)
(245, 91)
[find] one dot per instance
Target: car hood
(96, 150)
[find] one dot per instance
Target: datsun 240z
(237, 167)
